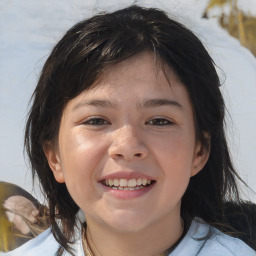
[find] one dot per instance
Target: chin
(128, 222)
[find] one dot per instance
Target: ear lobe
(201, 156)
(54, 161)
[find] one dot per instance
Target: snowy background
(30, 28)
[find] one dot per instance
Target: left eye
(96, 121)
(160, 122)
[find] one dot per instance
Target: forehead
(140, 66)
(140, 77)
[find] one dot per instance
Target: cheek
(80, 152)
(82, 158)
(175, 158)
(176, 151)
(176, 167)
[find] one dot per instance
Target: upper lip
(126, 175)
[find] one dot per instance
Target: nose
(127, 145)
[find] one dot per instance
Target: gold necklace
(85, 244)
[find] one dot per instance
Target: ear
(54, 162)
(201, 155)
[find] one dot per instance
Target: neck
(153, 240)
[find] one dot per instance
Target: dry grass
(238, 24)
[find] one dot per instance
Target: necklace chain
(85, 244)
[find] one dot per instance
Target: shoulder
(222, 244)
(203, 239)
(43, 244)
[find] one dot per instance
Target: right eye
(96, 122)
(160, 122)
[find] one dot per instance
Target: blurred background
(29, 29)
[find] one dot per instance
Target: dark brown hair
(77, 61)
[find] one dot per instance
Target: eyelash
(96, 121)
(160, 122)
(154, 122)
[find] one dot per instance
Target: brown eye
(96, 121)
(160, 122)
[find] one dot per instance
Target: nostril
(127, 151)
(126, 156)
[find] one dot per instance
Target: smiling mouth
(127, 184)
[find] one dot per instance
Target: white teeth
(127, 184)
(139, 182)
(116, 182)
(123, 182)
(132, 183)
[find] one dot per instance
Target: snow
(247, 6)
(29, 29)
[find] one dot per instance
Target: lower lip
(128, 194)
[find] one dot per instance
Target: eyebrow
(96, 103)
(148, 103)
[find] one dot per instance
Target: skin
(123, 134)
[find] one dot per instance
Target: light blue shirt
(218, 244)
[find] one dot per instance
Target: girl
(127, 125)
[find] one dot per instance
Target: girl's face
(127, 148)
